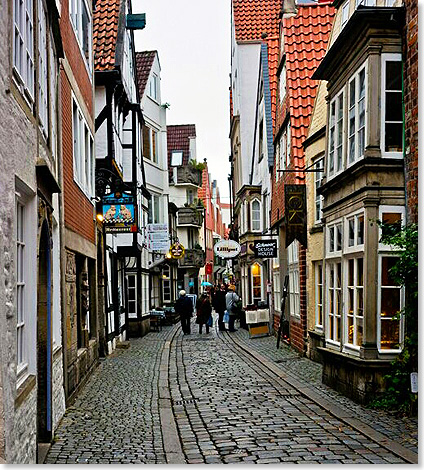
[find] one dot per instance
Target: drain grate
(187, 401)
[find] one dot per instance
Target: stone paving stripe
(333, 409)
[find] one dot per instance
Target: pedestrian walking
(184, 307)
(231, 300)
(220, 305)
(204, 312)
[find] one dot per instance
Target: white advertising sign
(227, 249)
(157, 237)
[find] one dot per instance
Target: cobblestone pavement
(115, 418)
(402, 430)
(229, 409)
(172, 398)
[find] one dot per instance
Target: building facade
(32, 399)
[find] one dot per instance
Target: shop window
(256, 272)
(334, 300)
(355, 301)
(390, 301)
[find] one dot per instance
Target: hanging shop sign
(177, 250)
(295, 211)
(119, 213)
(227, 249)
(265, 248)
(157, 237)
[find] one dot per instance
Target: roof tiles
(144, 62)
(252, 18)
(105, 32)
(306, 38)
(178, 138)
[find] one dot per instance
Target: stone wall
(58, 393)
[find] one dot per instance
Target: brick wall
(411, 107)
(74, 57)
(79, 212)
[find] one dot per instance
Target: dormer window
(177, 158)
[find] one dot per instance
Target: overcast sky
(192, 38)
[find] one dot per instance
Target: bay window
(319, 294)
(334, 300)
(335, 142)
(318, 165)
(357, 109)
(391, 107)
(355, 301)
(255, 213)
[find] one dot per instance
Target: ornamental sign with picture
(177, 250)
(119, 214)
(227, 249)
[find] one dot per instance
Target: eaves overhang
(365, 21)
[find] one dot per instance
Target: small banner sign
(119, 214)
(227, 249)
(157, 237)
(295, 210)
(265, 248)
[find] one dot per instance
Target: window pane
(387, 262)
(351, 224)
(392, 218)
(394, 106)
(389, 334)
(393, 75)
(393, 137)
(360, 228)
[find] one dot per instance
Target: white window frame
(319, 295)
(336, 127)
(177, 154)
(294, 278)
(331, 292)
(355, 216)
(21, 261)
(356, 288)
(331, 249)
(23, 47)
(391, 210)
(83, 152)
(276, 285)
(43, 88)
(345, 13)
(76, 15)
(379, 317)
(282, 83)
(129, 275)
(166, 281)
(256, 220)
(319, 199)
(356, 134)
(153, 87)
(384, 59)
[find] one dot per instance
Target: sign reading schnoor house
(265, 248)
(295, 211)
(119, 214)
(227, 249)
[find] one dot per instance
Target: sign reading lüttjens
(295, 211)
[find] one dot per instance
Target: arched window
(255, 216)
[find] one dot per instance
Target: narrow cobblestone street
(221, 398)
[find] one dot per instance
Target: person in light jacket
(230, 299)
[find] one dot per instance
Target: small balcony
(187, 175)
(193, 257)
(187, 216)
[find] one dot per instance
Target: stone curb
(171, 440)
(332, 408)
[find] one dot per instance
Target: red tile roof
(105, 32)
(273, 61)
(252, 18)
(178, 137)
(144, 62)
(306, 37)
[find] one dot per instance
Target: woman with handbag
(204, 312)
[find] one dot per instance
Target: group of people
(221, 297)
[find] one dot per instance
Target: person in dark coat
(184, 307)
(219, 305)
(204, 312)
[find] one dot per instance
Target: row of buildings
(323, 108)
(96, 189)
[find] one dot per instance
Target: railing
(189, 216)
(193, 257)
